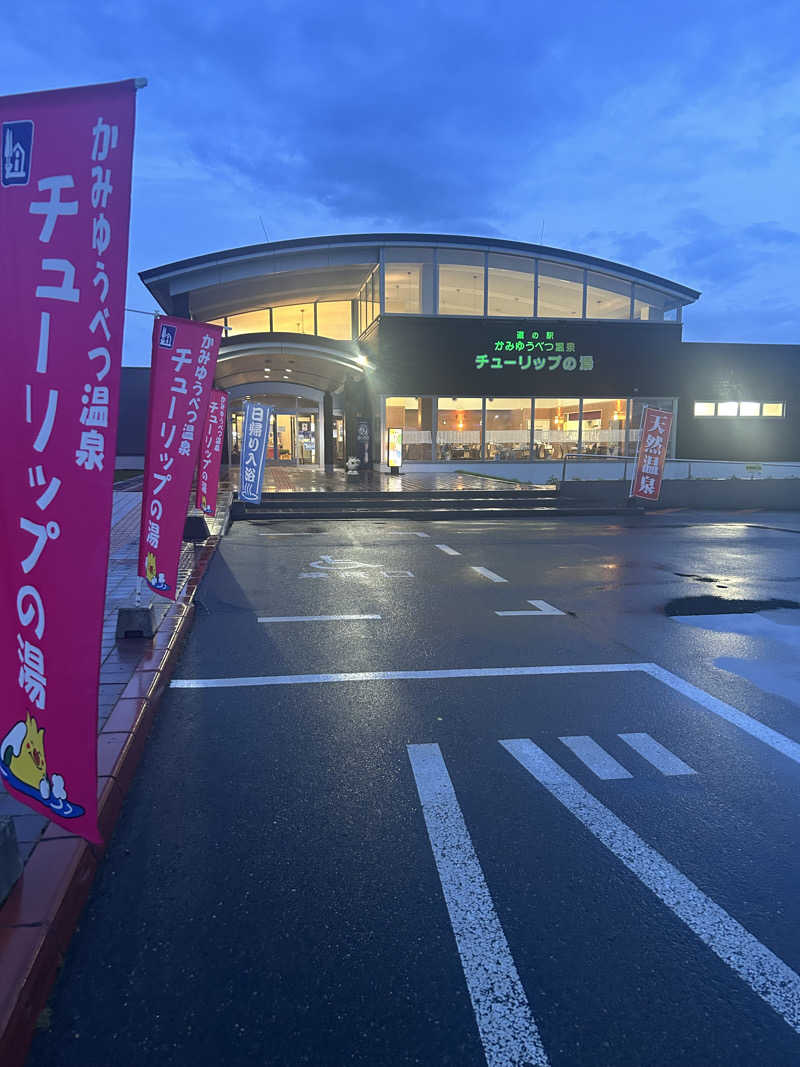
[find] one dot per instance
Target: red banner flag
(653, 444)
(181, 375)
(65, 191)
(211, 452)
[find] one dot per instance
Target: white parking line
(391, 676)
(418, 534)
(489, 574)
(505, 1023)
(777, 741)
(765, 973)
(595, 757)
(650, 749)
(545, 608)
(541, 606)
(448, 551)
(313, 618)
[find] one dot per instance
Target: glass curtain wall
(293, 318)
(511, 283)
(408, 283)
(459, 428)
(508, 429)
(560, 291)
(637, 404)
(607, 297)
(333, 319)
(603, 425)
(460, 283)
(555, 427)
(414, 415)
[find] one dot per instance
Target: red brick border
(40, 915)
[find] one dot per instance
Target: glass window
(248, 322)
(376, 294)
(510, 286)
(414, 415)
(508, 429)
(749, 407)
(560, 291)
(404, 288)
(603, 427)
(728, 408)
(773, 410)
(607, 297)
(459, 428)
(408, 282)
(460, 283)
(637, 405)
(650, 305)
(334, 319)
(293, 318)
(703, 407)
(555, 427)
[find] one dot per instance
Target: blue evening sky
(664, 136)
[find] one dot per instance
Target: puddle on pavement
(773, 624)
(720, 605)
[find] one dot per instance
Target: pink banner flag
(181, 376)
(211, 452)
(65, 191)
(653, 445)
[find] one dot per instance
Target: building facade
(484, 353)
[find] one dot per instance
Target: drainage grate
(718, 605)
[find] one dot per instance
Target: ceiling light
(288, 370)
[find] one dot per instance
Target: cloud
(669, 146)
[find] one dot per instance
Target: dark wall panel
(719, 372)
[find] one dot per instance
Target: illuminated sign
(539, 351)
(395, 447)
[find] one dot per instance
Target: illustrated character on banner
(154, 578)
(23, 765)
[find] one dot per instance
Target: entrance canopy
(278, 359)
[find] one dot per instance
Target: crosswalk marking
(596, 758)
(448, 551)
(505, 1023)
(764, 972)
(654, 752)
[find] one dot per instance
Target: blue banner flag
(255, 432)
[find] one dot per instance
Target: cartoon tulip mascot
(23, 763)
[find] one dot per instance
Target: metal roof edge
(153, 274)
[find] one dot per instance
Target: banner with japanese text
(181, 376)
(255, 431)
(65, 194)
(653, 445)
(211, 452)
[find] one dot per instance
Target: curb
(40, 915)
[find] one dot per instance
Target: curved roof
(334, 268)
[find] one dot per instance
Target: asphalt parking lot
(460, 794)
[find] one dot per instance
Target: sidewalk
(40, 914)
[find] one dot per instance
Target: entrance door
(285, 439)
(306, 439)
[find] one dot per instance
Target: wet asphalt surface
(270, 895)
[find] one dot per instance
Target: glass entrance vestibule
(446, 429)
(294, 435)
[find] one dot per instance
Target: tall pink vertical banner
(65, 193)
(211, 452)
(181, 376)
